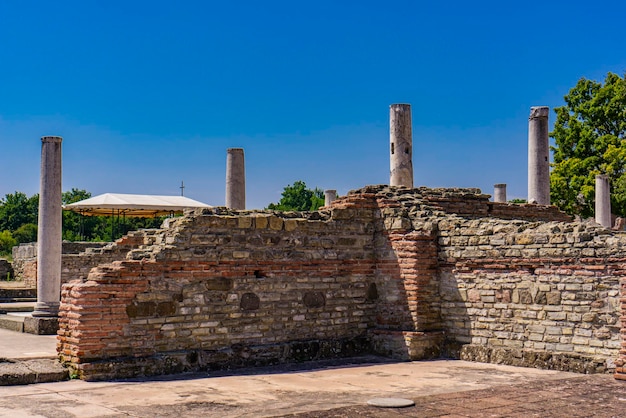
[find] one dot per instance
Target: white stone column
(49, 232)
(329, 196)
(235, 179)
(603, 201)
(499, 193)
(538, 156)
(401, 143)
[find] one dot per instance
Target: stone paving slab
(20, 346)
(26, 372)
(445, 388)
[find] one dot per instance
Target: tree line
(589, 139)
(19, 216)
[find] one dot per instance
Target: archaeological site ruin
(400, 271)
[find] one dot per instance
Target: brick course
(409, 273)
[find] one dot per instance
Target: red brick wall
(620, 370)
(283, 288)
(390, 266)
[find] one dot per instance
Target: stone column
(401, 141)
(329, 197)
(603, 201)
(49, 233)
(538, 156)
(499, 193)
(235, 179)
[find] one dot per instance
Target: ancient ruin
(400, 145)
(499, 193)
(403, 272)
(235, 179)
(407, 273)
(49, 232)
(329, 196)
(603, 201)
(538, 156)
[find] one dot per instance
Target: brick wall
(226, 291)
(620, 369)
(392, 270)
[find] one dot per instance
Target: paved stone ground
(444, 388)
(585, 396)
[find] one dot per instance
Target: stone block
(261, 221)
(244, 222)
(41, 325)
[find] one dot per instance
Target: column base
(41, 325)
(46, 309)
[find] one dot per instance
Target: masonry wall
(78, 258)
(408, 273)
(225, 291)
(545, 297)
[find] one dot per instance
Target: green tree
(298, 197)
(7, 242)
(590, 139)
(17, 209)
(26, 233)
(75, 226)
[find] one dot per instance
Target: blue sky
(147, 94)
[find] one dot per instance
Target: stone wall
(408, 273)
(521, 291)
(25, 258)
(542, 296)
(620, 363)
(223, 291)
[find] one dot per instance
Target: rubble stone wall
(409, 273)
(542, 295)
(72, 266)
(220, 291)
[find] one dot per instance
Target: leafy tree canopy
(19, 213)
(17, 209)
(299, 198)
(7, 242)
(590, 139)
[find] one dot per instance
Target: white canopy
(133, 205)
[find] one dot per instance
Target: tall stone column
(49, 233)
(499, 193)
(603, 201)
(538, 156)
(329, 197)
(401, 142)
(235, 179)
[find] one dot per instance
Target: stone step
(12, 322)
(24, 372)
(24, 322)
(27, 305)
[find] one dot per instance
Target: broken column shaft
(49, 232)
(603, 201)
(401, 143)
(538, 156)
(499, 193)
(235, 179)
(329, 196)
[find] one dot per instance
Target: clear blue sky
(149, 93)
